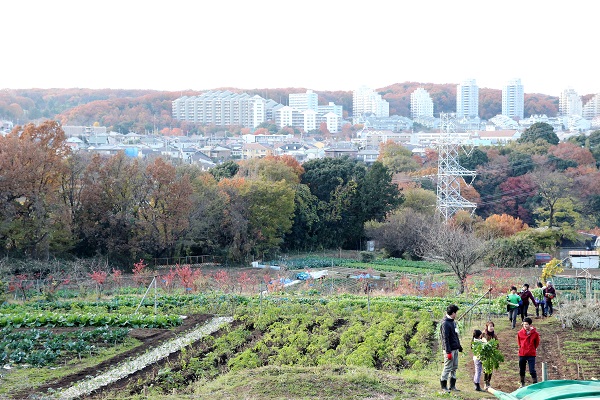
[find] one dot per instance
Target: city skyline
(320, 46)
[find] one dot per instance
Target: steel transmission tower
(450, 173)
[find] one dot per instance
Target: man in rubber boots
(451, 345)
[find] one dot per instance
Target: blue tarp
(554, 390)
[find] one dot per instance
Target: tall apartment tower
(467, 99)
(366, 100)
(569, 103)
(591, 109)
(304, 101)
(513, 99)
(421, 105)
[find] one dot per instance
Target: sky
(321, 45)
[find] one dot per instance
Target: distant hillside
(140, 110)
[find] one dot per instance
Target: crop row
(39, 348)
(54, 319)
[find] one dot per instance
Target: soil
(150, 338)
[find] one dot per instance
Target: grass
(22, 378)
(324, 383)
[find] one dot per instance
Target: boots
(522, 381)
(453, 385)
(478, 388)
(444, 385)
(534, 378)
(487, 378)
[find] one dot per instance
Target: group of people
(528, 340)
(541, 297)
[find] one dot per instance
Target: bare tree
(404, 232)
(460, 249)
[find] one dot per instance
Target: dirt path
(506, 379)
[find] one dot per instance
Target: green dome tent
(553, 390)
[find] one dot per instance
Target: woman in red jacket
(528, 340)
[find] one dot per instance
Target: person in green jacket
(512, 301)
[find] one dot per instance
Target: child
(488, 334)
(476, 361)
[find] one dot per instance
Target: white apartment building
(591, 109)
(366, 100)
(221, 108)
(513, 99)
(467, 99)
(569, 103)
(331, 107)
(304, 101)
(421, 105)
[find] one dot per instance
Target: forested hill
(139, 110)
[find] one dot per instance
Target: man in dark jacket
(451, 346)
(526, 295)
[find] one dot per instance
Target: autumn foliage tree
(31, 165)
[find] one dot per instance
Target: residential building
(304, 101)
(569, 103)
(513, 99)
(366, 100)
(221, 108)
(331, 107)
(467, 99)
(255, 150)
(591, 109)
(421, 105)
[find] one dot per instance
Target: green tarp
(554, 390)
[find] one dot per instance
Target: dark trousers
(548, 308)
(524, 308)
(523, 361)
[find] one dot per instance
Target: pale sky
(316, 44)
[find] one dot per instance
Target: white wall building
(221, 108)
(331, 107)
(591, 109)
(304, 101)
(366, 100)
(421, 105)
(569, 103)
(467, 99)
(513, 99)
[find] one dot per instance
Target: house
(255, 150)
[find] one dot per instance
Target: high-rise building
(569, 103)
(421, 105)
(366, 100)
(467, 99)
(221, 108)
(513, 99)
(591, 109)
(304, 101)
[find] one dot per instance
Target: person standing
(478, 366)
(451, 346)
(488, 334)
(538, 295)
(528, 340)
(512, 301)
(525, 297)
(549, 295)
